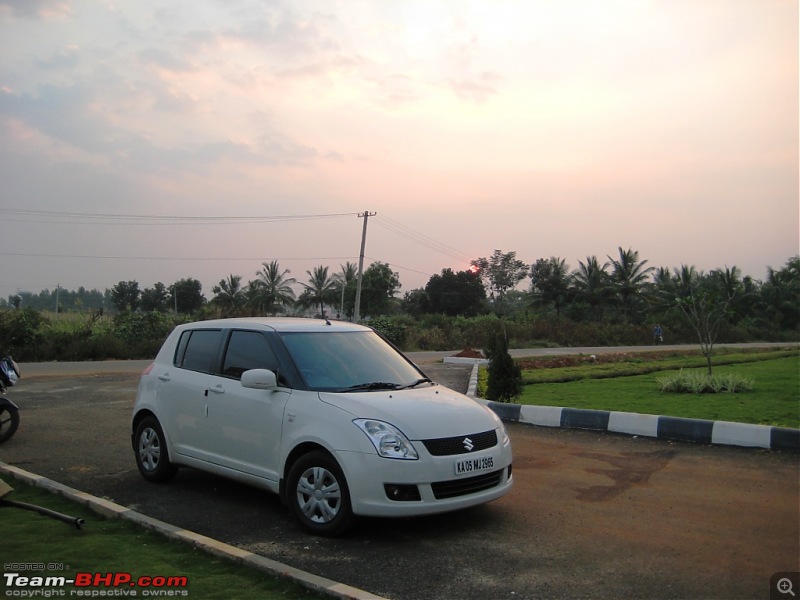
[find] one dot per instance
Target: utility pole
(357, 312)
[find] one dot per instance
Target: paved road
(591, 515)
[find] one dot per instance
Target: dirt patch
(575, 360)
(469, 353)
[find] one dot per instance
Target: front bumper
(440, 488)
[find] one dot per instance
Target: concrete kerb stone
(672, 428)
(245, 558)
(472, 388)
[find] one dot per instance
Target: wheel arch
(298, 451)
(138, 418)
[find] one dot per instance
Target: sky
(155, 141)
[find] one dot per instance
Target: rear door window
(198, 349)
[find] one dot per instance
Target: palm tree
(346, 278)
(591, 282)
(229, 295)
(628, 278)
(253, 298)
(274, 288)
(319, 288)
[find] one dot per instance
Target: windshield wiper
(373, 385)
(415, 383)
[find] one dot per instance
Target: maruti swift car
(328, 415)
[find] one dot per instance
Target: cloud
(35, 8)
(164, 59)
(476, 90)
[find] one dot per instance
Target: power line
(187, 258)
(422, 239)
(86, 218)
(399, 266)
(78, 218)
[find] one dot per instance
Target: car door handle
(164, 377)
(217, 389)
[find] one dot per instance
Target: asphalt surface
(591, 515)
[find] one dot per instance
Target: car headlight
(504, 434)
(501, 429)
(387, 439)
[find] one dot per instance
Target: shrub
(20, 332)
(698, 382)
(505, 376)
(143, 333)
(391, 329)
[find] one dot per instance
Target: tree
(253, 297)
(416, 303)
(346, 282)
(455, 294)
(319, 289)
(780, 294)
(378, 287)
(125, 296)
(628, 279)
(590, 281)
(186, 295)
(505, 376)
(229, 295)
(275, 291)
(155, 298)
(550, 282)
(503, 272)
(706, 306)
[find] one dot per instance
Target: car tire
(318, 495)
(152, 456)
(9, 421)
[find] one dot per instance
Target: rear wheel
(317, 493)
(9, 421)
(152, 456)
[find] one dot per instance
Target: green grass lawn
(774, 400)
(115, 545)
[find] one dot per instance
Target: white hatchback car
(327, 414)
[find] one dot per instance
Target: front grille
(470, 485)
(456, 445)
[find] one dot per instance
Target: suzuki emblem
(468, 444)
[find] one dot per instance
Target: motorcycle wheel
(9, 421)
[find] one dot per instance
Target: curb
(669, 428)
(245, 558)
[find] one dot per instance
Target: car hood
(420, 413)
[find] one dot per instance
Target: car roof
(284, 324)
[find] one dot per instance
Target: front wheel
(152, 456)
(9, 421)
(318, 496)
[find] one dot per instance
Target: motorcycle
(9, 412)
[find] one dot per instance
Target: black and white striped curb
(671, 428)
(245, 558)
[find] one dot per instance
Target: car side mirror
(259, 379)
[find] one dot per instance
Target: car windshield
(350, 361)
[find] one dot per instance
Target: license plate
(474, 465)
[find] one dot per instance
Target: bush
(20, 332)
(142, 333)
(505, 376)
(698, 382)
(391, 329)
